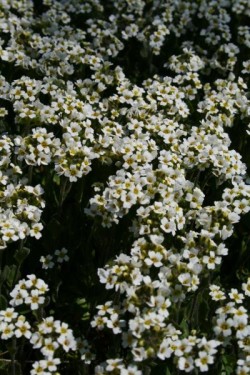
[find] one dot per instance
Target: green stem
(193, 308)
(1, 258)
(39, 314)
(13, 357)
(18, 265)
(64, 191)
(30, 172)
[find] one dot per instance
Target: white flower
(203, 361)
(165, 350)
(168, 226)
(99, 322)
(47, 325)
(113, 364)
(34, 299)
(236, 296)
(189, 281)
(18, 296)
(47, 262)
(154, 258)
(22, 328)
(223, 326)
(211, 260)
(38, 368)
(246, 287)
(131, 370)
(36, 230)
(6, 330)
(186, 364)
(8, 315)
(67, 342)
(114, 323)
(216, 293)
(50, 363)
(49, 347)
(36, 340)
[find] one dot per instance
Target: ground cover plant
(124, 187)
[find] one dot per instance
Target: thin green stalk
(13, 357)
(30, 173)
(64, 191)
(1, 258)
(18, 265)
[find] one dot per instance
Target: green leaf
(18, 370)
(13, 275)
(81, 302)
(184, 326)
(56, 179)
(227, 365)
(4, 274)
(3, 366)
(85, 306)
(21, 254)
(3, 303)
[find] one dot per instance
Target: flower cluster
(20, 207)
(232, 322)
(48, 335)
(29, 292)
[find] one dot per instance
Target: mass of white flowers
(151, 92)
(49, 335)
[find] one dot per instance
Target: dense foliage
(124, 188)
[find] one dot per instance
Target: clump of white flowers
(48, 335)
(29, 292)
(231, 322)
(143, 101)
